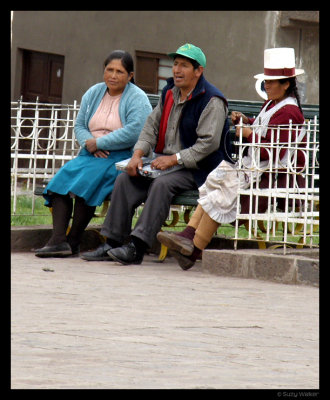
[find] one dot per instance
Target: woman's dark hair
(292, 90)
(126, 60)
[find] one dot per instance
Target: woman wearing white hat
(218, 195)
(279, 79)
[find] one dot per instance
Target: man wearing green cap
(192, 52)
(187, 127)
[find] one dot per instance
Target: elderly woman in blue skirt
(111, 116)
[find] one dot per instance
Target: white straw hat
(279, 63)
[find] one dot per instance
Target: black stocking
(62, 209)
(82, 214)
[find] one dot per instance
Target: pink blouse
(106, 118)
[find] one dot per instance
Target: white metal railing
(299, 213)
(42, 140)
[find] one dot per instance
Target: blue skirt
(86, 176)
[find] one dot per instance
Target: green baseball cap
(190, 51)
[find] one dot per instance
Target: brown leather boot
(175, 242)
(184, 261)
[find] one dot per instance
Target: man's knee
(121, 182)
(123, 177)
(161, 187)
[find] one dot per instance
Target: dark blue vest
(191, 113)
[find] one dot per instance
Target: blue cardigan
(134, 107)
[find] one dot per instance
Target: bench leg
(175, 219)
(104, 210)
(162, 253)
(163, 249)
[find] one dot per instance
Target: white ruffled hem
(216, 215)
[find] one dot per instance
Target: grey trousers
(156, 194)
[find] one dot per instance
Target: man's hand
(164, 162)
(135, 163)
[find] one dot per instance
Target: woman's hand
(101, 153)
(91, 145)
(236, 116)
(92, 148)
(246, 131)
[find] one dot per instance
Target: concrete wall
(233, 42)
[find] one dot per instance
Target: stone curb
(295, 267)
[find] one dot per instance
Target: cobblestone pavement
(99, 325)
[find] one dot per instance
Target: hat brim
(261, 93)
(272, 77)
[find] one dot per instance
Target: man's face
(184, 74)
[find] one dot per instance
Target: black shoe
(100, 254)
(57, 250)
(126, 254)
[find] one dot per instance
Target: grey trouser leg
(130, 192)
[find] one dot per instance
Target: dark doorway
(42, 77)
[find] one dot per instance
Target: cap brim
(179, 54)
(271, 77)
(184, 55)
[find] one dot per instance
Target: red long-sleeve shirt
(282, 117)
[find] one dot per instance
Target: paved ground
(88, 325)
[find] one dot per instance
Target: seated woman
(218, 195)
(111, 116)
